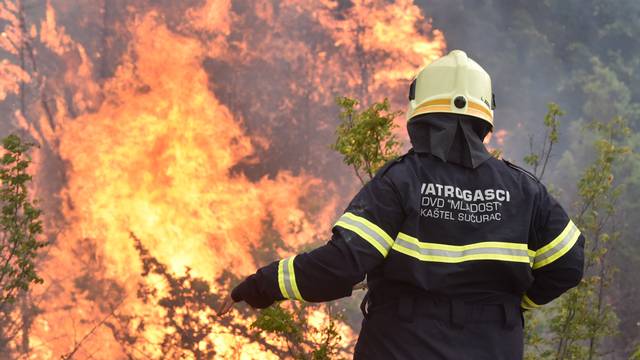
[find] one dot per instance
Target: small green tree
(365, 138)
(636, 354)
(538, 160)
(573, 326)
(20, 224)
(584, 315)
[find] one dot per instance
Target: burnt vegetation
(188, 304)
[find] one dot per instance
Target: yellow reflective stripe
(370, 225)
(558, 246)
(287, 279)
(435, 102)
(555, 241)
(365, 236)
(432, 108)
(283, 289)
(480, 108)
(497, 244)
(445, 105)
(527, 303)
(367, 230)
(294, 284)
(490, 250)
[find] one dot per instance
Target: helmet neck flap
(452, 138)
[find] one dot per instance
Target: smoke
(581, 55)
(539, 53)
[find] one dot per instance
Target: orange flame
(11, 75)
(155, 160)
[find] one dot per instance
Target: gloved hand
(249, 292)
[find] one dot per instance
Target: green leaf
(20, 224)
(365, 138)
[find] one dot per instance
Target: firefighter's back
(452, 283)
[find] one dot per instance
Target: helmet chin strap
(452, 138)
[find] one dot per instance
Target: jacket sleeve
(559, 253)
(361, 240)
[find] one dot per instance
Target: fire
(11, 75)
(498, 138)
(160, 167)
(54, 37)
(395, 29)
(10, 78)
(157, 152)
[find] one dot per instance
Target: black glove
(249, 292)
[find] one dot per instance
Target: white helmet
(452, 84)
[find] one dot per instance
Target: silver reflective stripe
(558, 247)
(465, 252)
(286, 275)
(374, 235)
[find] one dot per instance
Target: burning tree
(188, 305)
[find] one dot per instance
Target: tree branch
(72, 353)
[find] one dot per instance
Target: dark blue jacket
(435, 230)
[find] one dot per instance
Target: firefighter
(454, 243)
